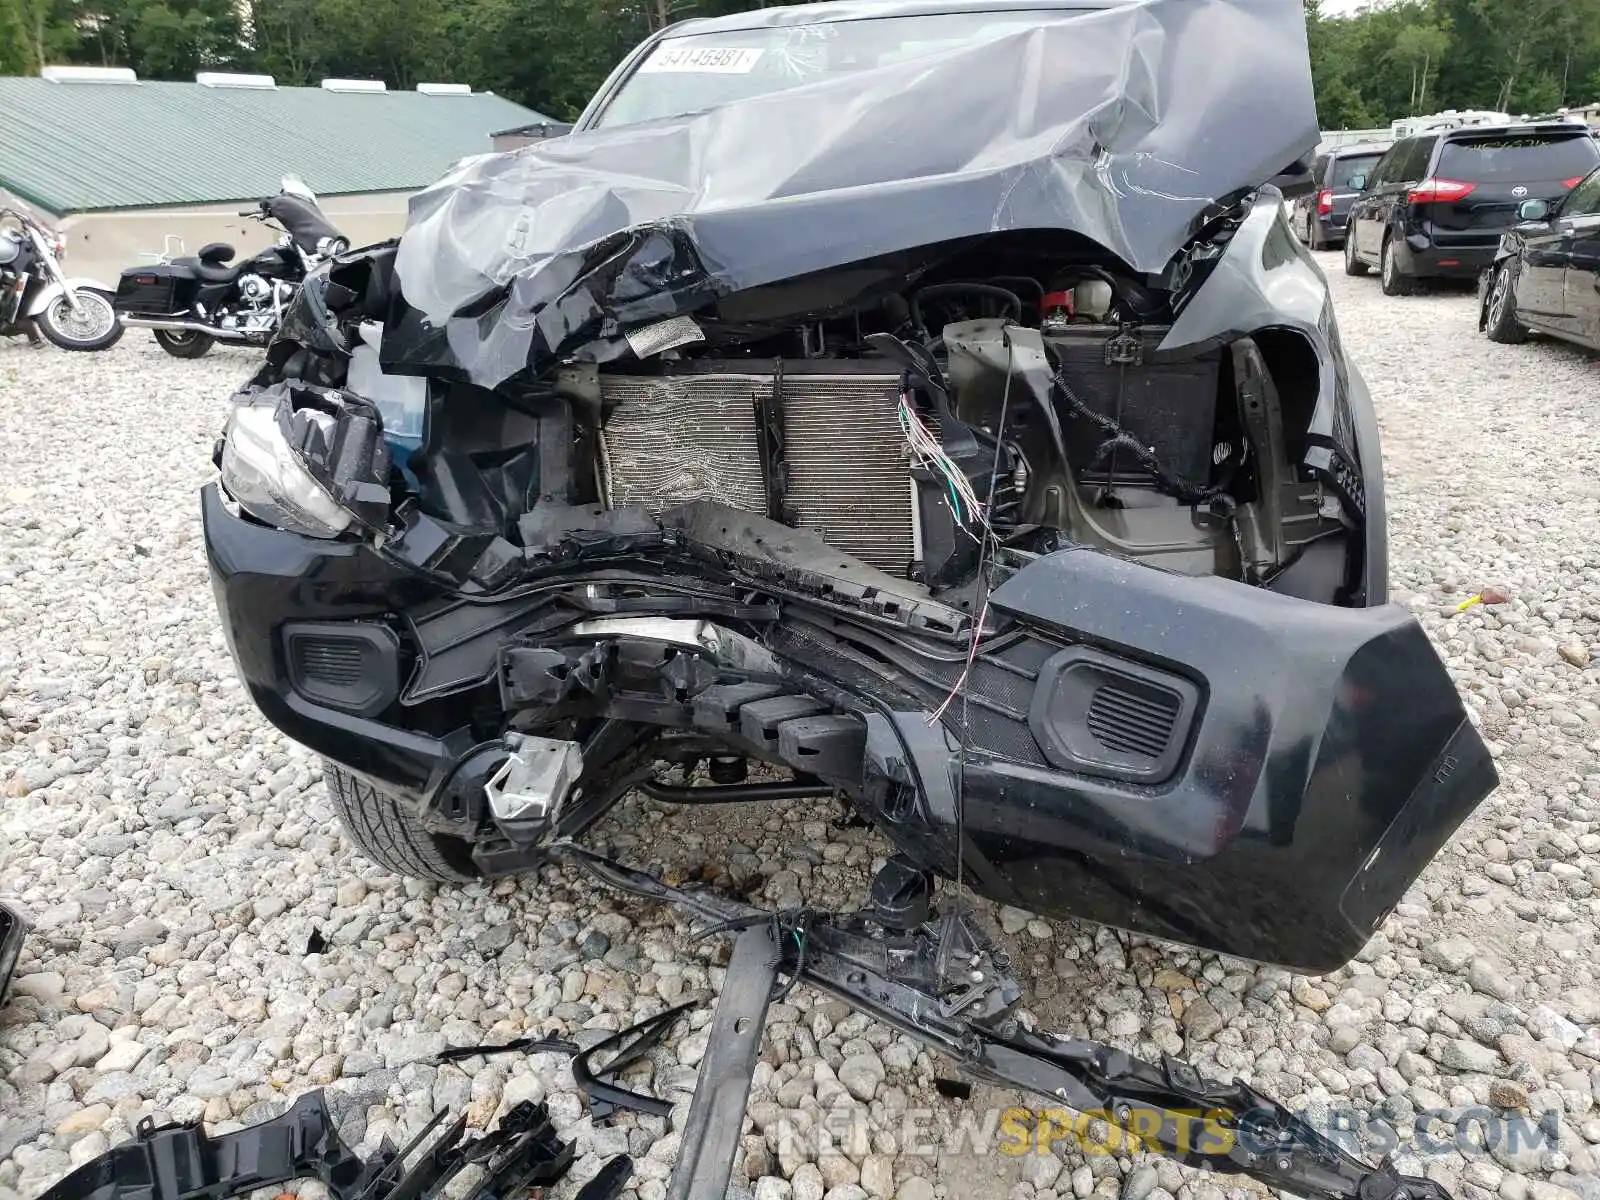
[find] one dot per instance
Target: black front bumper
(265, 579)
(1189, 758)
(1328, 760)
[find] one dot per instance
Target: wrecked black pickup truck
(926, 402)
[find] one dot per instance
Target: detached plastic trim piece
(182, 1162)
(13, 928)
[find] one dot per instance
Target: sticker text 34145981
(718, 60)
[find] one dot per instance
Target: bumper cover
(1313, 762)
(1427, 259)
(263, 579)
(1328, 762)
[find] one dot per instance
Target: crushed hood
(1125, 124)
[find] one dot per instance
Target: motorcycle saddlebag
(154, 291)
(1217, 764)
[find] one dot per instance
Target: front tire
(184, 343)
(1501, 323)
(384, 830)
(1352, 264)
(95, 326)
(1394, 283)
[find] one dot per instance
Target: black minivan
(1436, 204)
(1318, 217)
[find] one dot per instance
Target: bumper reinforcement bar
(947, 986)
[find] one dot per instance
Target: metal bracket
(768, 405)
(1124, 349)
(906, 981)
(534, 781)
(716, 1117)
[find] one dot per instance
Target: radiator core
(675, 438)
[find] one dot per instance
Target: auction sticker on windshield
(707, 60)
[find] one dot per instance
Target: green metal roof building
(68, 145)
(129, 169)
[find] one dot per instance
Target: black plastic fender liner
(13, 928)
(1329, 759)
(182, 1162)
(1266, 280)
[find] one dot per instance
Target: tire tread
(383, 831)
(1508, 331)
(1353, 266)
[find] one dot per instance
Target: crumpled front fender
(1266, 280)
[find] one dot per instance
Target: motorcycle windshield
(302, 220)
(293, 185)
(1127, 122)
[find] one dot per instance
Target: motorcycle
(192, 303)
(37, 297)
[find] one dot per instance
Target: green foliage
(1388, 61)
(1421, 56)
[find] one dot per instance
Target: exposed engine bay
(1174, 463)
(904, 425)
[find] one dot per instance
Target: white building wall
(101, 245)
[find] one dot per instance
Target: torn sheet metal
(1127, 124)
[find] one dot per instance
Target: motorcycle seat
(210, 272)
(215, 253)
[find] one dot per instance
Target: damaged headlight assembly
(262, 473)
(307, 460)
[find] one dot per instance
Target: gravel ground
(178, 854)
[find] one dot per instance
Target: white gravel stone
(807, 1183)
(176, 853)
(123, 1056)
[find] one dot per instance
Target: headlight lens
(261, 472)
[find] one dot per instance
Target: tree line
(548, 54)
(1422, 56)
(1392, 60)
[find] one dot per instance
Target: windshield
(700, 71)
(293, 185)
(1518, 159)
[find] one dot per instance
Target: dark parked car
(860, 391)
(1318, 217)
(1546, 274)
(1436, 204)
